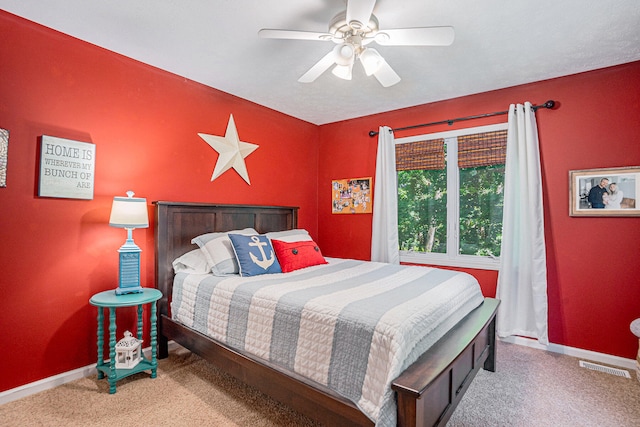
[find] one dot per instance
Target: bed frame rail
(316, 402)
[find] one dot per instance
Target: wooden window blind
(420, 155)
(482, 149)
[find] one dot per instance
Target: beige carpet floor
(537, 388)
(530, 388)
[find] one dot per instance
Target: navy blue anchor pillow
(255, 255)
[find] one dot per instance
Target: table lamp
(129, 213)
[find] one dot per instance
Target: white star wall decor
(231, 150)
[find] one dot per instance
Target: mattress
(352, 326)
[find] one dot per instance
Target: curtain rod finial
(372, 133)
(550, 104)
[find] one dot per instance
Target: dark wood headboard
(176, 223)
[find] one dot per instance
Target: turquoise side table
(109, 300)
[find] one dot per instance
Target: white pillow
(218, 251)
(290, 236)
(192, 262)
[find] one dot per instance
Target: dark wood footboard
(430, 389)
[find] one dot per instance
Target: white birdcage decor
(128, 351)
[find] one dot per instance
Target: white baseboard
(46, 383)
(65, 377)
(607, 359)
(56, 380)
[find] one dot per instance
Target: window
(450, 197)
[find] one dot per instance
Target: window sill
(480, 263)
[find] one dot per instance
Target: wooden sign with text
(67, 168)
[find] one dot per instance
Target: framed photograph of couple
(604, 192)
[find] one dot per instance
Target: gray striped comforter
(353, 326)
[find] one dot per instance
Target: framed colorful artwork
(351, 196)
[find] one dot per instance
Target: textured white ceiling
(498, 44)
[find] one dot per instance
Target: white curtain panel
(522, 280)
(384, 236)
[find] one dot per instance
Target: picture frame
(4, 153)
(67, 168)
(591, 194)
(351, 196)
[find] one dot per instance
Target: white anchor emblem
(264, 262)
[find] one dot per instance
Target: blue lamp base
(129, 271)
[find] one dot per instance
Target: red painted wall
(56, 253)
(593, 268)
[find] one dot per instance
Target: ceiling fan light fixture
(343, 71)
(344, 54)
(371, 61)
(352, 30)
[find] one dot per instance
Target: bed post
(162, 274)
(163, 341)
(490, 363)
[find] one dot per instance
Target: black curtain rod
(549, 104)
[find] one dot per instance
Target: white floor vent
(605, 369)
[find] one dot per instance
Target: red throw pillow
(296, 255)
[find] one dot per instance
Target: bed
(426, 393)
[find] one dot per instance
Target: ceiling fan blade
(385, 74)
(359, 12)
(267, 33)
(320, 67)
(423, 36)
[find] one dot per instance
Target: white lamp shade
(129, 212)
(344, 54)
(343, 71)
(371, 61)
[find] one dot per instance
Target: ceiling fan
(352, 31)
